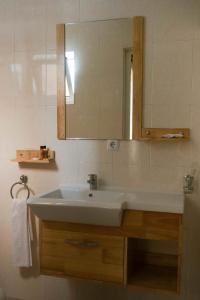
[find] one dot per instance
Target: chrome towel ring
(23, 181)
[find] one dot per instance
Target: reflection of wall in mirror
(99, 101)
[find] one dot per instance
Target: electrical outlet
(113, 145)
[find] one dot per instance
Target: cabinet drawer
(82, 255)
(151, 225)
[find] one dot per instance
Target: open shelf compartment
(153, 264)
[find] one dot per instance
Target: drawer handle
(82, 244)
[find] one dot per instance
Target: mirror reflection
(99, 79)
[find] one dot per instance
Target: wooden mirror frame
(139, 132)
(61, 105)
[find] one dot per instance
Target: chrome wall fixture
(188, 186)
(23, 181)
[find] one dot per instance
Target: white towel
(21, 234)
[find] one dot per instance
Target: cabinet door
(83, 255)
(151, 225)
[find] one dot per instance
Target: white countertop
(113, 197)
(158, 202)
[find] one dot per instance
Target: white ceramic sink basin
(102, 207)
(80, 206)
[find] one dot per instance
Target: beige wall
(28, 119)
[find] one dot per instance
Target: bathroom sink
(101, 207)
(80, 206)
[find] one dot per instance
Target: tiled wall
(28, 119)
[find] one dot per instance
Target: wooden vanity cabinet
(144, 252)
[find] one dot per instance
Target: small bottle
(42, 149)
(46, 153)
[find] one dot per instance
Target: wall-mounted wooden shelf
(31, 161)
(33, 157)
(159, 134)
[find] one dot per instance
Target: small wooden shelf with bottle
(33, 157)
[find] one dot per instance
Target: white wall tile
(195, 123)
(132, 153)
(177, 95)
(7, 127)
(30, 17)
(93, 151)
(147, 116)
(98, 9)
(192, 211)
(172, 63)
(195, 73)
(148, 70)
(103, 9)
(176, 117)
(30, 127)
(6, 75)
(7, 25)
(28, 119)
(29, 73)
(60, 11)
(51, 77)
(171, 154)
(175, 20)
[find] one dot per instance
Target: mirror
(100, 82)
(99, 79)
